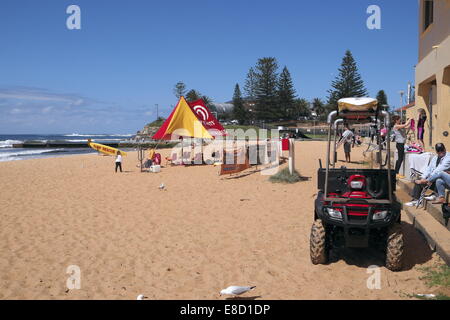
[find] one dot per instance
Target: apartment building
(433, 71)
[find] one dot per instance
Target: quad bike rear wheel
(394, 248)
(318, 243)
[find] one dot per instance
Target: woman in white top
(119, 161)
(400, 139)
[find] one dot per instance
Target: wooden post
(291, 156)
(140, 154)
(182, 153)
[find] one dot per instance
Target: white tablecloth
(415, 161)
(420, 161)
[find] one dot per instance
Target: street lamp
(401, 104)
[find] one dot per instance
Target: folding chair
(198, 159)
(415, 174)
(171, 159)
(186, 159)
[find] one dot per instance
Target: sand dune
(200, 235)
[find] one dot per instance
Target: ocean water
(8, 153)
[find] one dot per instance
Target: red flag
(207, 118)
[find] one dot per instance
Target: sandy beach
(201, 234)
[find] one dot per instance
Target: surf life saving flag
(207, 118)
(182, 122)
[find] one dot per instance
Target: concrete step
(435, 210)
(437, 235)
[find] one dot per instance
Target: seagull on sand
(141, 297)
(162, 186)
(236, 290)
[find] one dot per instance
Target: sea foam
(9, 143)
(20, 154)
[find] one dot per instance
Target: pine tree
(286, 95)
(239, 111)
(179, 90)
(348, 83)
(250, 84)
(382, 100)
(266, 89)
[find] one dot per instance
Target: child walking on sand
(119, 161)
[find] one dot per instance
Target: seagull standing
(236, 290)
(162, 186)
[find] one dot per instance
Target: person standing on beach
(347, 136)
(383, 134)
(119, 161)
(373, 132)
(400, 139)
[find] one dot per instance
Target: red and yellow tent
(183, 122)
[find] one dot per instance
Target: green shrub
(284, 176)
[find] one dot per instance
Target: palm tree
(318, 107)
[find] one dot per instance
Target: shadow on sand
(243, 175)
(352, 162)
(416, 251)
(244, 298)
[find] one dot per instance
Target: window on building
(427, 14)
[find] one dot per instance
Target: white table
(414, 160)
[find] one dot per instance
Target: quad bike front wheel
(394, 248)
(318, 243)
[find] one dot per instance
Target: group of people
(153, 158)
(400, 135)
(436, 177)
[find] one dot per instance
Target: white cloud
(16, 111)
(39, 110)
(47, 109)
(38, 94)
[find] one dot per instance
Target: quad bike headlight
(334, 213)
(379, 215)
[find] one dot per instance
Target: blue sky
(128, 55)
